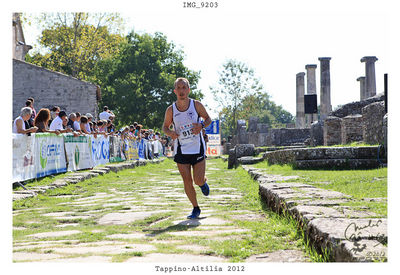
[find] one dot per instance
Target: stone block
(372, 126)
(317, 133)
(332, 131)
(242, 150)
(352, 129)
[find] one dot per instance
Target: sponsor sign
(213, 128)
(213, 151)
(79, 152)
(100, 150)
(49, 154)
(214, 139)
(116, 149)
(23, 157)
(131, 149)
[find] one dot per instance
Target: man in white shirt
(106, 114)
(57, 123)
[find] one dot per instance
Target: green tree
(241, 95)
(137, 83)
(72, 43)
(236, 81)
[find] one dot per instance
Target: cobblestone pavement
(140, 216)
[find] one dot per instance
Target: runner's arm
(168, 119)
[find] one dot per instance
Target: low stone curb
(350, 235)
(81, 176)
(329, 157)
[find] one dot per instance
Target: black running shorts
(191, 159)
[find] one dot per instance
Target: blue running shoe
(195, 213)
(205, 189)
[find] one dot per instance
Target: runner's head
(181, 88)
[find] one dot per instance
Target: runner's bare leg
(186, 173)
(199, 172)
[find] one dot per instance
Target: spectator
(42, 121)
(89, 125)
(19, 125)
(77, 124)
(110, 127)
(71, 120)
(138, 131)
(54, 113)
(83, 124)
(101, 127)
(33, 108)
(106, 114)
(29, 122)
(60, 122)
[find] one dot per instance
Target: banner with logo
(213, 150)
(79, 152)
(49, 154)
(116, 149)
(23, 157)
(141, 149)
(213, 128)
(131, 149)
(214, 139)
(100, 150)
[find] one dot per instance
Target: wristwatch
(202, 123)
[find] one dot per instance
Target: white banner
(79, 152)
(214, 139)
(49, 154)
(23, 157)
(213, 151)
(100, 150)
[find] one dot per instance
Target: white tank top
(15, 124)
(183, 125)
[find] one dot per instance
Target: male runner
(189, 145)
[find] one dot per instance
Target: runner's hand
(197, 127)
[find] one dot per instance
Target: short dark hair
(62, 113)
(55, 108)
(78, 114)
(31, 99)
(105, 108)
(28, 103)
(84, 119)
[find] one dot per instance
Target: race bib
(186, 134)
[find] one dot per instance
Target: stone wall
(352, 129)
(50, 88)
(287, 136)
(332, 131)
(355, 108)
(372, 128)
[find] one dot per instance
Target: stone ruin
(361, 121)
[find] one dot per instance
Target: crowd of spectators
(57, 121)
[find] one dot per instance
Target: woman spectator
(83, 125)
(19, 125)
(42, 122)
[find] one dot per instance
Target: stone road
(144, 224)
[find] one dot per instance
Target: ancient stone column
(363, 92)
(370, 82)
(325, 90)
(311, 90)
(300, 116)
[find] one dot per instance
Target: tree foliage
(241, 96)
(138, 82)
(74, 42)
